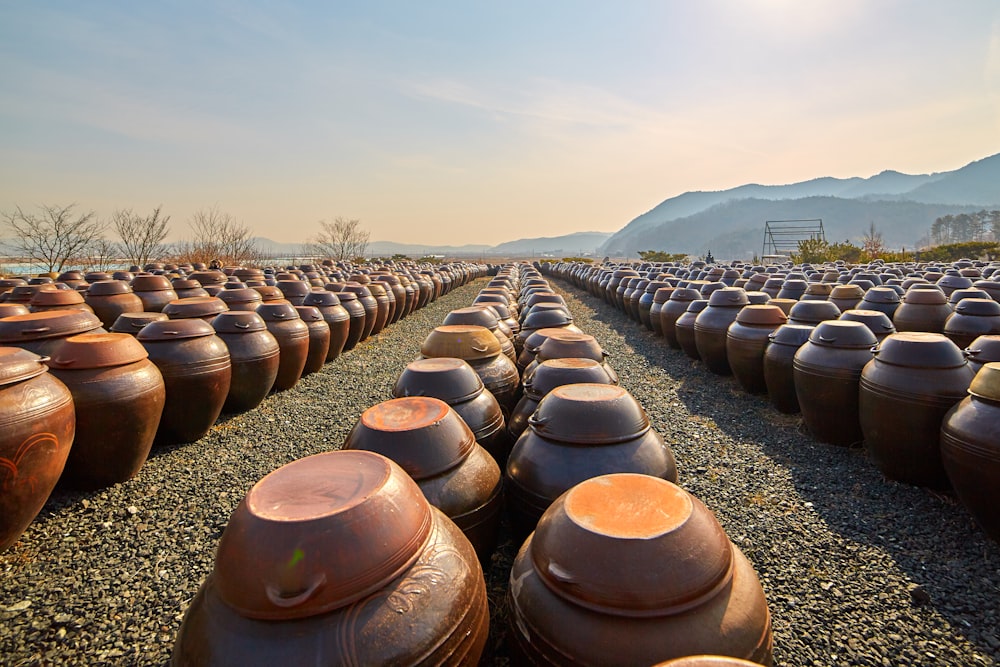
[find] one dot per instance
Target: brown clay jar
(746, 340)
(201, 307)
(357, 318)
(132, 323)
(675, 306)
(922, 310)
(292, 334)
(254, 356)
(43, 333)
(553, 373)
(336, 317)
(970, 450)
(57, 299)
(684, 328)
(438, 450)
(319, 338)
(196, 371)
(111, 298)
(982, 351)
(971, 319)
(373, 312)
(480, 348)
(154, 291)
(37, 424)
(639, 559)
(119, 396)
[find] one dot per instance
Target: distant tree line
(981, 226)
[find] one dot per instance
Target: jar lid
(933, 297)
(108, 288)
(561, 343)
(185, 283)
(47, 324)
(309, 314)
(813, 312)
(762, 314)
(589, 413)
(463, 341)
(847, 292)
(603, 543)
(150, 283)
(277, 311)
(357, 288)
(685, 294)
(450, 379)
(881, 295)
(194, 306)
(54, 298)
(986, 384)
(562, 371)
(420, 433)
(175, 330)
(18, 364)
(131, 323)
(238, 321)
(322, 298)
(478, 315)
(842, 334)
(97, 350)
(791, 334)
(876, 320)
(978, 307)
(915, 349)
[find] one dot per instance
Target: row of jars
(894, 378)
(448, 430)
(84, 405)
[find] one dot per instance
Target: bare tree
(872, 243)
(218, 235)
(341, 239)
(100, 255)
(141, 236)
(55, 236)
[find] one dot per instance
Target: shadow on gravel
(953, 566)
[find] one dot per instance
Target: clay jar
(746, 340)
(554, 373)
(811, 313)
(292, 334)
(201, 307)
(878, 322)
(319, 338)
(827, 372)
(712, 325)
(119, 396)
(684, 328)
(971, 319)
(646, 300)
(111, 298)
(397, 295)
(480, 348)
(254, 356)
(846, 297)
(132, 323)
(970, 450)
(922, 310)
(43, 333)
(882, 299)
(187, 288)
(338, 558)
(357, 318)
(660, 298)
(484, 316)
(386, 302)
(154, 291)
(456, 383)
(438, 450)
(37, 424)
(530, 347)
(563, 344)
(196, 372)
(638, 559)
(245, 298)
(675, 306)
(372, 311)
(57, 299)
(294, 291)
(580, 431)
(336, 317)
(982, 351)
(906, 390)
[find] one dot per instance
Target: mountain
(904, 204)
(578, 244)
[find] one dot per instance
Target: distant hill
(578, 244)
(730, 223)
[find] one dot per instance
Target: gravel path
(857, 570)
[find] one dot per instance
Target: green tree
(661, 256)
(812, 251)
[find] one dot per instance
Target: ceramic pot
(336, 317)
(292, 334)
(43, 333)
(110, 298)
(971, 319)
(254, 356)
(684, 328)
(319, 338)
(746, 340)
(480, 348)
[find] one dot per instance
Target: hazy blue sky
(479, 122)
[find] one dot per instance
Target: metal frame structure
(782, 236)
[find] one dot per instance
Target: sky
(454, 122)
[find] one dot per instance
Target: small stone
(132, 510)
(19, 606)
(918, 595)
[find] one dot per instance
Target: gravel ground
(857, 570)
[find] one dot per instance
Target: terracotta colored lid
(294, 287)
(320, 533)
(479, 315)
(131, 323)
(986, 384)
(321, 298)
(108, 287)
(847, 292)
(463, 341)
(842, 334)
(309, 314)
(762, 314)
(150, 283)
(185, 284)
(447, 378)
(919, 350)
(11, 309)
(932, 297)
(978, 307)
(49, 298)
(589, 414)
(97, 350)
(794, 335)
(47, 324)
(277, 311)
(238, 321)
(357, 288)
(194, 306)
(210, 277)
(420, 433)
(345, 296)
(707, 661)
(17, 365)
(554, 373)
(603, 544)
(175, 329)
(239, 295)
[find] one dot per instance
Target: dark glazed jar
(676, 306)
(132, 323)
(244, 298)
(370, 304)
(43, 333)
(294, 291)
(811, 313)
(338, 559)
(746, 341)
(111, 298)
(906, 390)
(878, 322)
(154, 291)
(386, 301)
(827, 373)
(684, 328)
(970, 449)
(37, 424)
(484, 316)
(595, 568)
(254, 356)
(187, 288)
(972, 318)
(335, 316)
(357, 318)
(292, 334)
(196, 371)
(554, 373)
(119, 396)
(455, 382)
(562, 344)
(438, 450)
(580, 431)
(660, 299)
(883, 299)
(480, 348)
(846, 297)
(982, 351)
(319, 338)
(922, 310)
(712, 324)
